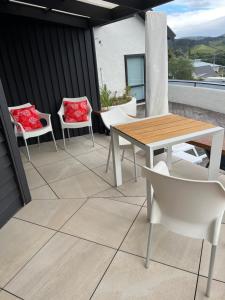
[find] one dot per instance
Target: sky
(195, 17)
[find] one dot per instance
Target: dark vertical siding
(14, 191)
(43, 62)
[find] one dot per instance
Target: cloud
(196, 17)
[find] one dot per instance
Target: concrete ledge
(206, 98)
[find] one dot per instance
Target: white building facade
(121, 46)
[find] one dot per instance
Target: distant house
(120, 51)
(198, 63)
(204, 72)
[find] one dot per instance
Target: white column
(156, 51)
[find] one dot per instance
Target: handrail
(196, 83)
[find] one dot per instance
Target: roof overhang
(82, 13)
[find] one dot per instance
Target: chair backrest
(61, 110)
(115, 116)
(130, 108)
(189, 207)
(18, 107)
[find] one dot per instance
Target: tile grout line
(44, 180)
(119, 249)
(11, 294)
(55, 232)
(106, 270)
(97, 173)
(200, 260)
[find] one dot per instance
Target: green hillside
(208, 49)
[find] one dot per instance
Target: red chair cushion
(28, 117)
(76, 111)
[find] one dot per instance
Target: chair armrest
(19, 125)
(46, 117)
(60, 114)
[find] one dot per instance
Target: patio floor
(81, 238)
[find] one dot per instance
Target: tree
(180, 68)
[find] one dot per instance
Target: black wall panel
(43, 62)
(14, 191)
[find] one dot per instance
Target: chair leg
(109, 154)
(135, 165)
(92, 135)
(211, 268)
(38, 138)
(149, 245)
(28, 153)
(68, 133)
(64, 141)
(53, 137)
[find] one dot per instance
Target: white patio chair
(113, 117)
(130, 108)
(190, 208)
(75, 125)
(34, 133)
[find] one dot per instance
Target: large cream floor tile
(127, 278)
(7, 296)
(219, 270)
(127, 172)
(80, 145)
(50, 213)
(102, 139)
(34, 179)
(111, 192)
(94, 159)
(79, 186)
(66, 268)
(61, 169)
(141, 157)
(217, 290)
(132, 188)
(43, 193)
(19, 242)
(46, 155)
(167, 247)
(103, 221)
(130, 200)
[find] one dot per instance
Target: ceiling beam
(75, 7)
(41, 14)
(140, 4)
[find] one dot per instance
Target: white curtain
(156, 51)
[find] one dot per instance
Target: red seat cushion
(28, 117)
(76, 111)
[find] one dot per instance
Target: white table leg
(149, 189)
(116, 158)
(215, 155)
(169, 157)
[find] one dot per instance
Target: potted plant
(108, 100)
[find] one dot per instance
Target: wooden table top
(161, 128)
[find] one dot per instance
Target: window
(135, 75)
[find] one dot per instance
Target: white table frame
(217, 134)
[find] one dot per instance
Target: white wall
(206, 98)
(112, 42)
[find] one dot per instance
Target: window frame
(126, 57)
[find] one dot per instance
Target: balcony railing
(194, 83)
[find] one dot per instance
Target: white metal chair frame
(75, 125)
(191, 208)
(34, 133)
(113, 117)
